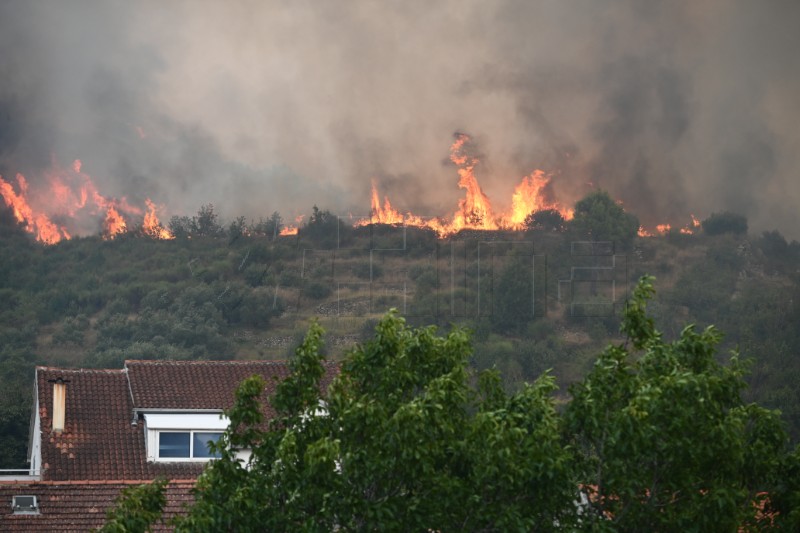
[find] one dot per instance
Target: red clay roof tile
(99, 441)
(79, 505)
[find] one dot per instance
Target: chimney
(59, 403)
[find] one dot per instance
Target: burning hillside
(72, 205)
(475, 210)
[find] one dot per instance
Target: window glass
(173, 444)
(201, 441)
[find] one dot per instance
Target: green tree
(404, 440)
(599, 218)
(138, 508)
(726, 222)
(180, 226)
(656, 438)
(270, 227)
(324, 229)
(512, 298)
(665, 441)
(545, 219)
(206, 223)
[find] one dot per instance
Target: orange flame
(152, 226)
(37, 223)
(529, 197)
(292, 230)
(385, 214)
(663, 229)
(114, 224)
(74, 200)
(475, 210)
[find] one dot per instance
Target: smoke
(256, 105)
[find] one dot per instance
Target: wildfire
(663, 229)
(475, 209)
(292, 230)
(151, 225)
(37, 223)
(74, 200)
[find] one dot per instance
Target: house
(95, 432)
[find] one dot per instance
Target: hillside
(535, 300)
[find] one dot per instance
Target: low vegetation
(408, 438)
(545, 298)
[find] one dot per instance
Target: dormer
(182, 435)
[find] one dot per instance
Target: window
(182, 436)
(186, 444)
(24, 505)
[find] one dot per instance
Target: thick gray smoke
(673, 107)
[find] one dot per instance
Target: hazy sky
(255, 106)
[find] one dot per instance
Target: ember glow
(291, 230)
(663, 229)
(71, 204)
(475, 210)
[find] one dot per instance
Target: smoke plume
(263, 105)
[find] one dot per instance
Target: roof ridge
(80, 370)
(204, 361)
(94, 481)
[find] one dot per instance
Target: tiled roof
(201, 384)
(78, 505)
(99, 441)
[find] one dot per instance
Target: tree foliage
(725, 222)
(665, 441)
(404, 440)
(598, 217)
(545, 219)
(138, 508)
(407, 438)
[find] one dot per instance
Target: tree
(664, 439)
(237, 229)
(725, 222)
(270, 227)
(406, 438)
(138, 508)
(599, 218)
(402, 441)
(180, 226)
(323, 227)
(206, 223)
(545, 219)
(512, 298)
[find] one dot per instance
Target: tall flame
(37, 223)
(151, 225)
(115, 224)
(475, 209)
(529, 197)
(74, 200)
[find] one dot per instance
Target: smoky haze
(254, 106)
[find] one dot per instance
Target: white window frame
(191, 457)
(190, 422)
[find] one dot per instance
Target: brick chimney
(59, 403)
